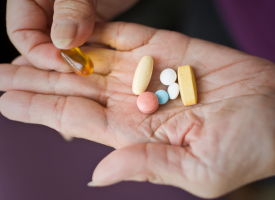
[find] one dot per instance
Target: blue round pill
(163, 96)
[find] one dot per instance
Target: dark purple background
(251, 24)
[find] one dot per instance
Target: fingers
(21, 60)
(159, 164)
(28, 26)
(48, 82)
(74, 116)
(122, 36)
(73, 22)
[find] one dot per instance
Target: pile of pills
(148, 102)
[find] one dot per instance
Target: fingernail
(66, 137)
(93, 184)
(64, 33)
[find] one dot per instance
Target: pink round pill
(147, 103)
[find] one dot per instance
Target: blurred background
(36, 162)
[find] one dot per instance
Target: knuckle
(75, 8)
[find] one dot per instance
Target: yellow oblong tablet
(187, 83)
(142, 75)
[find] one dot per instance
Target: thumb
(157, 163)
(73, 22)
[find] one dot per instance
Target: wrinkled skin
(220, 144)
(31, 25)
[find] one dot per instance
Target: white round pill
(168, 76)
(173, 91)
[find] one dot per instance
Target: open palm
(207, 149)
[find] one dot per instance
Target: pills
(187, 83)
(168, 76)
(163, 97)
(147, 103)
(142, 75)
(78, 61)
(173, 91)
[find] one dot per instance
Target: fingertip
(73, 23)
(62, 43)
(13, 107)
(107, 170)
(4, 103)
(67, 138)
(48, 57)
(1, 102)
(64, 32)
(119, 165)
(22, 61)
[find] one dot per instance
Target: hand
(69, 22)
(209, 149)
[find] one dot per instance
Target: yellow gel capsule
(187, 83)
(78, 61)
